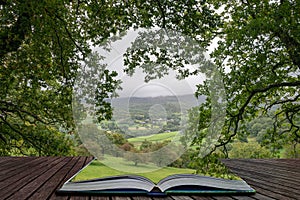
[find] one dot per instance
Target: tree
(43, 44)
(260, 42)
(146, 146)
(249, 150)
(185, 159)
(127, 146)
(292, 151)
(116, 138)
(257, 56)
(42, 47)
(163, 157)
(135, 156)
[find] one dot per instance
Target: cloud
(135, 85)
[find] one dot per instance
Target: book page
(110, 184)
(201, 181)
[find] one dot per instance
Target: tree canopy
(258, 55)
(43, 43)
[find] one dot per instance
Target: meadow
(160, 137)
(98, 170)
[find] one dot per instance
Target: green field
(154, 138)
(98, 170)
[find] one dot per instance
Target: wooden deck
(39, 178)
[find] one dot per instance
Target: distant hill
(141, 116)
(185, 101)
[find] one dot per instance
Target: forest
(251, 91)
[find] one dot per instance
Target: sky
(135, 85)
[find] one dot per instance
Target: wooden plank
(267, 166)
(34, 166)
(274, 165)
(281, 177)
(262, 187)
(202, 197)
(4, 159)
(262, 197)
(27, 190)
(291, 164)
(100, 198)
(79, 198)
(270, 182)
(13, 163)
(242, 197)
(15, 175)
(198, 197)
(15, 183)
(49, 187)
(222, 197)
(269, 176)
(266, 189)
(141, 198)
(120, 198)
(179, 197)
(9, 161)
(294, 161)
(19, 169)
(78, 166)
(273, 182)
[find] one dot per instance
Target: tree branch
(261, 90)
(67, 31)
(236, 118)
(19, 132)
(17, 109)
(162, 13)
(282, 102)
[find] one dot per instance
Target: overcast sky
(135, 85)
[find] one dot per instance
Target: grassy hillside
(160, 137)
(98, 170)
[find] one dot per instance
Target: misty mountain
(184, 101)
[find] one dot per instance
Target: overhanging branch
(236, 118)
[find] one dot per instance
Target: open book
(174, 184)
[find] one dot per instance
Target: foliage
(39, 52)
(291, 150)
(260, 42)
(44, 43)
(163, 157)
(257, 56)
(146, 146)
(127, 146)
(101, 142)
(211, 165)
(185, 159)
(259, 125)
(249, 150)
(135, 157)
(42, 46)
(55, 142)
